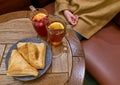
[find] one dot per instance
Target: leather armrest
(102, 54)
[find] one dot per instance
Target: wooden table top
(68, 63)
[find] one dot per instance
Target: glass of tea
(56, 31)
(39, 20)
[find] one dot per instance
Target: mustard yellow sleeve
(61, 5)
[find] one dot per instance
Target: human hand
(72, 19)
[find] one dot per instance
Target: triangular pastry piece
(42, 53)
(23, 50)
(19, 67)
(33, 55)
(37, 53)
(21, 44)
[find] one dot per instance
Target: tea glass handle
(33, 11)
(32, 8)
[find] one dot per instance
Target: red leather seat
(102, 54)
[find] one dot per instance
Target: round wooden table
(68, 64)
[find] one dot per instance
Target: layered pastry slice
(33, 53)
(23, 50)
(42, 53)
(37, 52)
(17, 66)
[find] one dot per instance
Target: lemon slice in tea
(56, 25)
(39, 16)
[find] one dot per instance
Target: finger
(74, 20)
(71, 21)
(76, 17)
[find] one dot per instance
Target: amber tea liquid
(56, 36)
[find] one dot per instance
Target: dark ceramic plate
(48, 58)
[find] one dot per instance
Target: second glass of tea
(56, 31)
